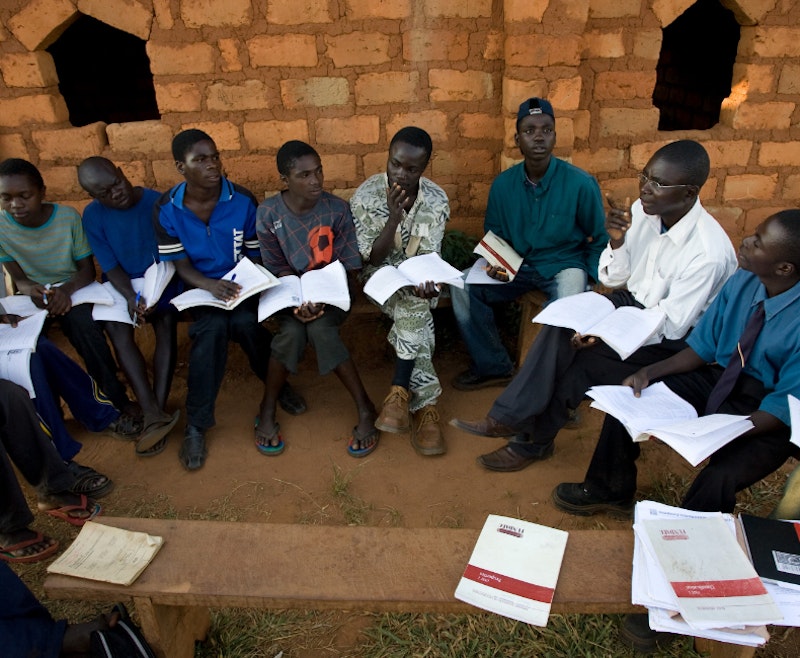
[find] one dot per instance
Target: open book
(23, 306)
(624, 329)
(327, 285)
(499, 253)
(252, 277)
(150, 287)
(662, 413)
(109, 554)
(412, 272)
(16, 346)
(513, 569)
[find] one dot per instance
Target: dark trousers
(88, 339)
(26, 627)
(55, 376)
(289, 344)
(736, 466)
(24, 443)
(210, 332)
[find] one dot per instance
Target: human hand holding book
(416, 271)
(503, 261)
(240, 283)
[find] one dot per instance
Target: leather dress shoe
(394, 415)
(426, 434)
(485, 427)
(193, 451)
(574, 498)
(507, 460)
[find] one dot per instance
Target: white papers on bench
(252, 277)
(661, 413)
(327, 285)
(23, 306)
(151, 286)
(412, 272)
(16, 346)
(691, 563)
(513, 569)
(499, 253)
(109, 554)
(624, 329)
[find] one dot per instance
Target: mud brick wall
(345, 74)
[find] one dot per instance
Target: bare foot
(72, 508)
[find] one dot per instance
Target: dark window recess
(696, 66)
(104, 74)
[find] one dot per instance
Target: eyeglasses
(644, 179)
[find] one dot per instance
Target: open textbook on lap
(327, 285)
(106, 553)
(251, 277)
(16, 346)
(624, 329)
(23, 306)
(513, 569)
(412, 272)
(661, 413)
(151, 286)
(498, 253)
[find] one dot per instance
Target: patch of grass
(354, 509)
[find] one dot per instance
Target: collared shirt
(215, 247)
(421, 232)
(557, 224)
(48, 253)
(123, 238)
(298, 243)
(679, 271)
(775, 358)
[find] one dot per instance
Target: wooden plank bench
(283, 566)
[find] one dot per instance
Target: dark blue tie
(722, 389)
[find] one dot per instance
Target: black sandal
(88, 481)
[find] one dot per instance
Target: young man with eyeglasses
(670, 255)
(551, 213)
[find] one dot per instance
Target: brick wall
(345, 74)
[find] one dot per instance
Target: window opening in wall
(695, 67)
(104, 74)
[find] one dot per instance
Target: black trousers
(736, 466)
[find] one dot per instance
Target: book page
(477, 274)
(25, 335)
(578, 312)
(698, 438)
(384, 283)
(327, 285)
(430, 267)
(251, 277)
(627, 328)
(287, 294)
(197, 297)
(21, 305)
(156, 279)
(112, 555)
(794, 419)
(94, 293)
(15, 366)
(118, 312)
(513, 569)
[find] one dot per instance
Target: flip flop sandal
(89, 482)
(6, 551)
(157, 449)
(154, 434)
(263, 445)
(362, 452)
(63, 512)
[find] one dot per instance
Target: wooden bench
(282, 566)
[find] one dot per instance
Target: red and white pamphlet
(513, 569)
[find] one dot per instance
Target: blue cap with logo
(535, 106)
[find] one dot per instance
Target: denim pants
(472, 307)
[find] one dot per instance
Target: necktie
(722, 389)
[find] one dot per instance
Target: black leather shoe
(193, 451)
(507, 460)
(469, 381)
(636, 633)
(485, 427)
(573, 498)
(291, 401)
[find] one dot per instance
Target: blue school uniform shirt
(775, 359)
(213, 248)
(124, 238)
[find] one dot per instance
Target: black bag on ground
(124, 640)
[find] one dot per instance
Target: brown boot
(426, 433)
(394, 415)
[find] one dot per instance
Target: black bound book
(774, 548)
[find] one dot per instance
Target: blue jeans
(472, 307)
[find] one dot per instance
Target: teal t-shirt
(48, 253)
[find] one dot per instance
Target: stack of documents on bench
(695, 578)
(661, 413)
(513, 569)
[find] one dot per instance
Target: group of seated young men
(665, 252)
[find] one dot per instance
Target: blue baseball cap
(535, 106)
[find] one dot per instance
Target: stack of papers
(695, 578)
(513, 569)
(661, 413)
(16, 346)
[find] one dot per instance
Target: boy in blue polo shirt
(206, 225)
